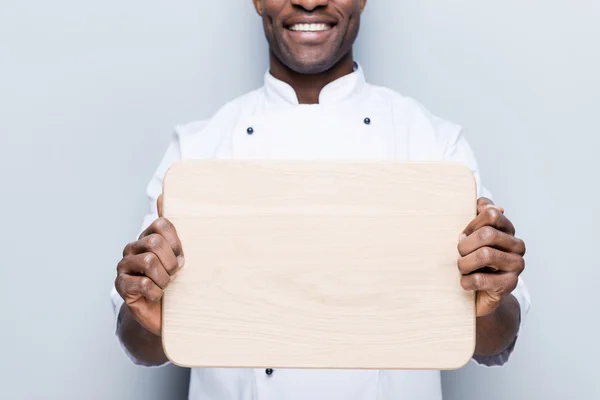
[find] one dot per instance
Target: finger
(490, 216)
(166, 229)
(484, 202)
(490, 288)
(488, 236)
(157, 244)
(499, 282)
(145, 264)
(159, 205)
(132, 288)
(486, 303)
(148, 314)
(491, 258)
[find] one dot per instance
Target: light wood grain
(345, 265)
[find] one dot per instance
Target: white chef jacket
(354, 120)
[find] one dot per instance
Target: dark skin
(308, 62)
(491, 256)
(491, 261)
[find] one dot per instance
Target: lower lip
(310, 37)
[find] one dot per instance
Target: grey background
(90, 92)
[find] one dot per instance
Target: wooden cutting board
(343, 265)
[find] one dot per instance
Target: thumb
(159, 206)
(486, 304)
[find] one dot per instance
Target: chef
(317, 104)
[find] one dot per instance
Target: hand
(491, 257)
(147, 268)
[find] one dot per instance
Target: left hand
(491, 257)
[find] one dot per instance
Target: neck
(309, 86)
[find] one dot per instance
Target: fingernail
(181, 261)
(462, 237)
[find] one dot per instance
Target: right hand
(147, 268)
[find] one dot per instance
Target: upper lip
(309, 20)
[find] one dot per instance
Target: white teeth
(310, 27)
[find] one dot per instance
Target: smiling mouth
(310, 27)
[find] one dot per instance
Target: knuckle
(493, 215)
(479, 280)
(149, 261)
(163, 224)
(484, 255)
(145, 285)
(120, 265)
(482, 202)
(127, 249)
(153, 241)
(118, 284)
(121, 284)
(487, 234)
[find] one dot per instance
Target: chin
(310, 67)
(310, 63)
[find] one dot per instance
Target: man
(316, 104)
